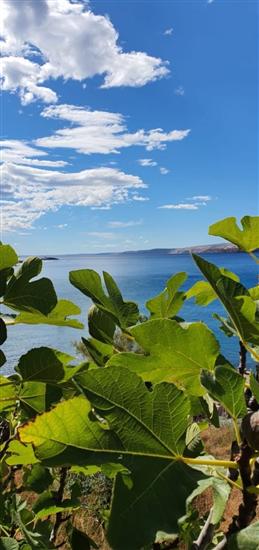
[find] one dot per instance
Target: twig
(242, 355)
(247, 509)
(205, 536)
(59, 498)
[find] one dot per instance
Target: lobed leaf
(172, 353)
(226, 385)
(167, 304)
(58, 316)
(246, 238)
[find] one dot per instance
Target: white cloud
(89, 47)
(101, 132)
(101, 234)
(169, 32)
(164, 170)
(120, 224)
(179, 91)
(29, 191)
(180, 206)
(13, 150)
(139, 198)
(203, 198)
(147, 162)
(61, 225)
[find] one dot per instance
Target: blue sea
(139, 277)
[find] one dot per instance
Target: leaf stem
(237, 432)
(208, 462)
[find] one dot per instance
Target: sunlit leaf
(226, 385)
(8, 256)
(172, 353)
(89, 283)
(246, 238)
(169, 302)
(59, 316)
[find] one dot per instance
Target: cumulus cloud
(28, 191)
(101, 132)
(36, 29)
(147, 162)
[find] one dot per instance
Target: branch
(206, 534)
(59, 498)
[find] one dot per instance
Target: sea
(140, 277)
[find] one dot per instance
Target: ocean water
(139, 277)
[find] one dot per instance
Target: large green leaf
(8, 256)
(226, 385)
(20, 454)
(58, 316)
(172, 353)
(89, 283)
(32, 396)
(144, 430)
(246, 238)
(46, 365)
(169, 302)
(235, 298)
(29, 296)
(246, 539)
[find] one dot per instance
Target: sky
(126, 125)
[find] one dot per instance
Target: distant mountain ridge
(199, 249)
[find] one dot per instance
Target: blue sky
(126, 125)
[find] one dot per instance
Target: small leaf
(246, 238)
(235, 298)
(246, 539)
(29, 296)
(8, 256)
(254, 386)
(7, 543)
(37, 479)
(8, 394)
(46, 365)
(58, 316)
(101, 326)
(89, 283)
(20, 454)
(3, 331)
(167, 304)
(226, 385)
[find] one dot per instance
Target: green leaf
(203, 292)
(235, 298)
(246, 238)
(101, 326)
(254, 386)
(46, 365)
(226, 385)
(220, 492)
(246, 539)
(8, 394)
(124, 314)
(7, 543)
(46, 505)
(37, 479)
(32, 396)
(29, 296)
(58, 316)
(167, 304)
(173, 353)
(98, 352)
(8, 256)
(143, 430)
(81, 541)
(3, 331)
(20, 454)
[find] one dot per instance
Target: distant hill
(199, 249)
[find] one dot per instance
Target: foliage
(133, 411)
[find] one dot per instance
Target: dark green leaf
(101, 326)
(29, 296)
(37, 479)
(226, 385)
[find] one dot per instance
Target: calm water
(139, 278)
